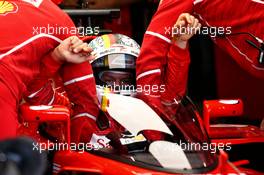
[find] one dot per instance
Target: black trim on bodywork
(151, 167)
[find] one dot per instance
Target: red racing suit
(30, 30)
(161, 62)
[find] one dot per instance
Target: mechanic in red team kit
(237, 28)
(29, 57)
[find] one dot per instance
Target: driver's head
(115, 62)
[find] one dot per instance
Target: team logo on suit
(7, 7)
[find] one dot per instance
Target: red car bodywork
(90, 163)
(229, 133)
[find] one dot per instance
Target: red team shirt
(161, 62)
(26, 63)
(22, 47)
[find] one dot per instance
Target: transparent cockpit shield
(180, 143)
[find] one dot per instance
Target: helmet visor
(117, 78)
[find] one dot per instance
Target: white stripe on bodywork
(78, 79)
(42, 35)
(148, 73)
(84, 115)
(159, 36)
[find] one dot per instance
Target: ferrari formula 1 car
(156, 139)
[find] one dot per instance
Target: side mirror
(43, 113)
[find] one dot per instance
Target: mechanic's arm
(178, 58)
(73, 50)
(157, 42)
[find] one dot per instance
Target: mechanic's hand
(72, 50)
(185, 27)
